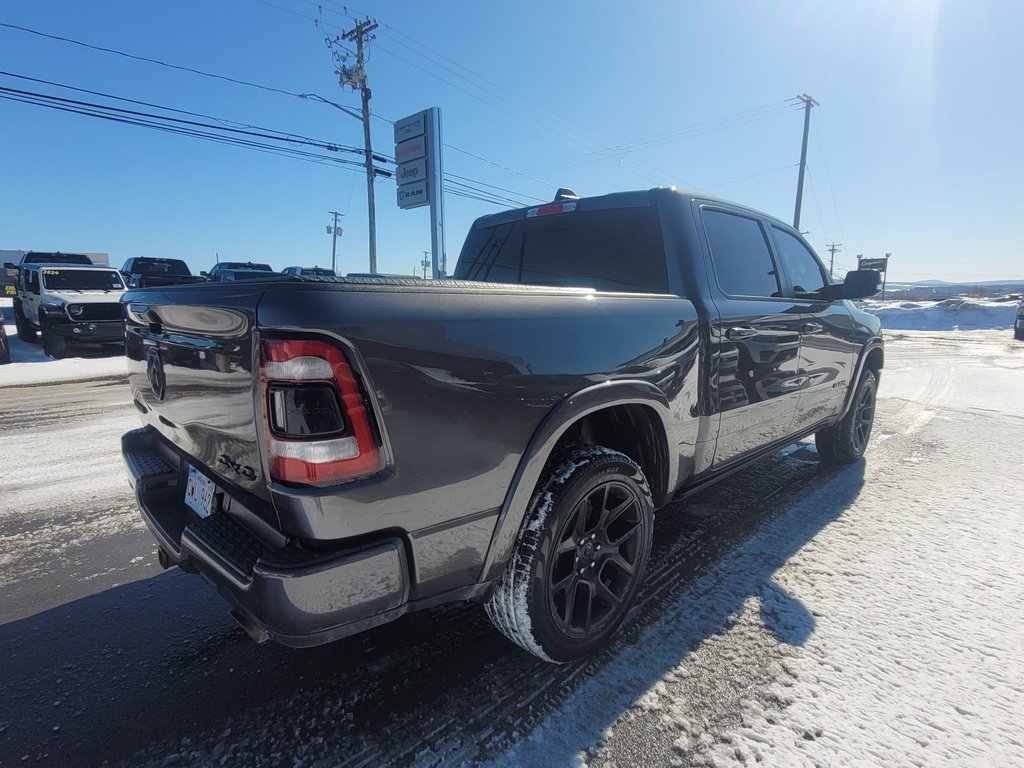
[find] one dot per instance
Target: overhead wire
(828, 179)
(141, 120)
(240, 127)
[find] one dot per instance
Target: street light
(318, 97)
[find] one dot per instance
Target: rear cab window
(162, 267)
(617, 250)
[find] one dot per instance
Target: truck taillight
(317, 424)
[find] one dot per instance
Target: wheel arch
(633, 416)
(872, 357)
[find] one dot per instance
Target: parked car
(309, 271)
(504, 437)
(68, 304)
(1018, 323)
(5, 347)
(150, 272)
(222, 266)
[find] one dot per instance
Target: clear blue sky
(917, 147)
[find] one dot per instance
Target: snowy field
(791, 616)
(958, 314)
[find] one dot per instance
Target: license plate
(199, 492)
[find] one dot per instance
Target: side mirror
(204, 274)
(8, 265)
(860, 284)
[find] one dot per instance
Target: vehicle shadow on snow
(159, 657)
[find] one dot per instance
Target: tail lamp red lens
(318, 427)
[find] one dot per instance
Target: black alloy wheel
(863, 418)
(596, 559)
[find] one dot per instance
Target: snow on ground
(62, 485)
(947, 315)
(30, 365)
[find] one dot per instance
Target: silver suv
(68, 304)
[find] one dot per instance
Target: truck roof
(630, 199)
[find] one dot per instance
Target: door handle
(734, 334)
(809, 328)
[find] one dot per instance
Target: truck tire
(1018, 333)
(846, 441)
(580, 556)
(25, 330)
(55, 345)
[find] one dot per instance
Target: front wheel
(55, 345)
(580, 557)
(845, 442)
(1018, 333)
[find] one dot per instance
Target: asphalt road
(109, 660)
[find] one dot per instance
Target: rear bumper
(295, 597)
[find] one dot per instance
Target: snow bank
(947, 315)
(30, 365)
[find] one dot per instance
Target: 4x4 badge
(155, 374)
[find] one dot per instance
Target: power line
(257, 131)
(694, 129)
(753, 176)
(159, 62)
(141, 120)
(103, 49)
(828, 178)
(88, 109)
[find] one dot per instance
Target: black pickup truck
(152, 272)
(333, 454)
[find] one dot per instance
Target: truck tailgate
(190, 357)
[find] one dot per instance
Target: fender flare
(875, 342)
(555, 423)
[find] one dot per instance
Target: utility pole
(832, 248)
(334, 240)
(425, 263)
(355, 77)
(885, 274)
(808, 103)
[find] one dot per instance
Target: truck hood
(83, 297)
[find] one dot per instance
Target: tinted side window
(804, 272)
(613, 250)
(743, 262)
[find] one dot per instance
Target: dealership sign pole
(420, 175)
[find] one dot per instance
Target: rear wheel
(1018, 333)
(845, 442)
(580, 558)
